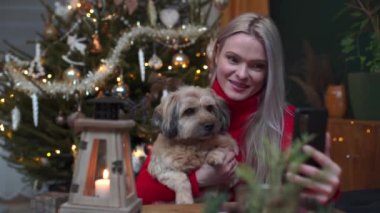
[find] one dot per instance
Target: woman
(247, 64)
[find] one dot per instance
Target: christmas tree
(133, 50)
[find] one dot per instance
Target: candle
(102, 186)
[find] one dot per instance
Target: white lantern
(103, 179)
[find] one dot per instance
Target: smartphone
(312, 121)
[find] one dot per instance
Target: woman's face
(241, 66)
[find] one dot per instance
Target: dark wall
(314, 21)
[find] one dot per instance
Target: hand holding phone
(311, 121)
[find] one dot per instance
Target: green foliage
(361, 44)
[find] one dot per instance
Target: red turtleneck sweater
(150, 190)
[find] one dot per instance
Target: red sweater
(150, 190)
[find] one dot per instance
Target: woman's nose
(242, 71)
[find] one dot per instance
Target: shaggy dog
(193, 123)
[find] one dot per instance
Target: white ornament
(35, 67)
(75, 43)
(152, 13)
(155, 62)
(35, 108)
(142, 64)
(16, 117)
(169, 17)
(61, 10)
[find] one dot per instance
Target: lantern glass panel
(97, 181)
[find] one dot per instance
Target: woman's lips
(239, 87)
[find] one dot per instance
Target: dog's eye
(189, 111)
(210, 108)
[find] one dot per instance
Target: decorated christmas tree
(135, 51)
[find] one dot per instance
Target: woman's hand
(322, 182)
(223, 174)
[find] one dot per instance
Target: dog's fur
(193, 123)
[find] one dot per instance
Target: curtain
(237, 7)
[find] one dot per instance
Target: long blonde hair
(268, 122)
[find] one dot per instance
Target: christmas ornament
(131, 6)
(50, 32)
(155, 62)
(152, 12)
(71, 75)
(75, 43)
(34, 98)
(169, 17)
(73, 117)
(16, 118)
(61, 11)
(120, 90)
(60, 119)
(141, 64)
(180, 60)
(96, 46)
(35, 68)
(220, 4)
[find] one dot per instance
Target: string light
(2, 100)
(48, 154)
(57, 151)
(352, 122)
(11, 95)
(205, 67)
(73, 147)
(368, 131)
(334, 139)
(146, 64)
(2, 128)
(340, 139)
(170, 67)
(49, 76)
(96, 88)
(198, 71)
(44, 80)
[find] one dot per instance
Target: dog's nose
(208, 126)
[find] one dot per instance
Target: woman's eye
(189, 111)
(232, 59)
(259, 66)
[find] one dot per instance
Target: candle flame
(106, 174)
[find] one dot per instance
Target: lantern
(103, 179)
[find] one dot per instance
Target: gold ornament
(71, 75)
(96, 46)
(51, 32)
(220, 4)
(180, 60)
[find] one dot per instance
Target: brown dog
(193, 123)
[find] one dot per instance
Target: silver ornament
(155, 62)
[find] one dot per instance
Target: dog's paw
(215, 157)
(184, 198)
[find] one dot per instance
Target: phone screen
(312, 121)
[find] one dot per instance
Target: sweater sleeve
(287, 136)
(150, 190)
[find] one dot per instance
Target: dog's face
(191, 113)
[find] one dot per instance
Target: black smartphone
(312, 121)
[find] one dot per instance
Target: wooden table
(187, 208)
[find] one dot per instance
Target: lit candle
(102, 186)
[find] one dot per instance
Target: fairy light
(198, 71)
(2, 128)
(368, 131)
(44, 80)
(184, 66)
(57, 151)
(11, 95)
(92, 11)
(334, 139)
(69, 7)
(88, 15)
(340, 139)
(205, 67)
(79, 4)
(170, 67)
(146, 64)
(159, 74)
(118, 79)
(26, 72)
(2, 100)
(198, 54)
(204, 53)
(352, 122)
(48, 154)
(94, 20)
(96, 88)
(73, 147)
(49, 76)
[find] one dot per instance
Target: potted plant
(361, 46)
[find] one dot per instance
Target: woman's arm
(150, 190)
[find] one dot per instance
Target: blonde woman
(248, 73)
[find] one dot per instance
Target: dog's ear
(166, 116)
(222, 111)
